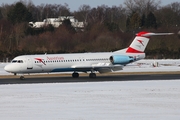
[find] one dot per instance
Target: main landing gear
(91, 75)
(75, 75)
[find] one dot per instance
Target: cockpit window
(14, 61)
(20, 61)
(17, 61)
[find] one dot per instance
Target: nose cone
(8, 68)
(12, 68)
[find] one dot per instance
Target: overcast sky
(75, 4)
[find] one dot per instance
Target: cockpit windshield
(17, 61)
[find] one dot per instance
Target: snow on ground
(153, 65)
(137, 100)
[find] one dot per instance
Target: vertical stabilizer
(140, 42)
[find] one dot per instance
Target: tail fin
(141, 40)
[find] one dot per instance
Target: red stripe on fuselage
(132, 50)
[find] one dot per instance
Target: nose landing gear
(22, 77)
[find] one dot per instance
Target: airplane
(102, 62)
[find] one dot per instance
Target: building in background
(56, 22)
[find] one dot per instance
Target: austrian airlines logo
(141, 42)
(40, 60)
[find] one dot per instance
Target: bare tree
(141, 6)
(98, 15)
(171, 17)
(83, 13)
(175, 7)
(64, 10)
(5, 9)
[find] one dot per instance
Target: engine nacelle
(121, 59)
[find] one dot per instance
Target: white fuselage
(47, 63)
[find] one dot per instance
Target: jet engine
(121, 59)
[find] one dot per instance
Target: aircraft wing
(100, 67)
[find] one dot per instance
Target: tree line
(107, 28)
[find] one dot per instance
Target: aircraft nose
(8, 68)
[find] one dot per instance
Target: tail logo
(141, 42)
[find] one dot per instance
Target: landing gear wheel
(22, 78)
(75, 75)
(92, 75)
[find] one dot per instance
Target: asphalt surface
(85, 78)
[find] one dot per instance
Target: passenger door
(29, 63)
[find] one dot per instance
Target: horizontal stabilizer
(153, 34)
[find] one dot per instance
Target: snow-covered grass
(137, 100)
(92, 101)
